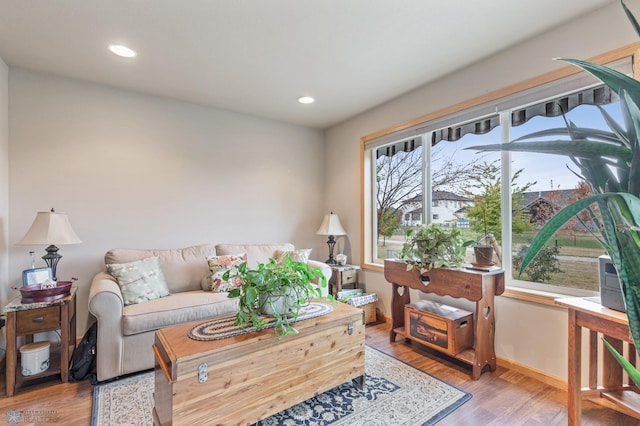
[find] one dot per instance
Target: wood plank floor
(502, 397)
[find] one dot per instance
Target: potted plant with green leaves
(609, 161)
(274, 290)
(484, 245)
(433, 246)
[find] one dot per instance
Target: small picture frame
(36, 276)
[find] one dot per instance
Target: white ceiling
(258, 56)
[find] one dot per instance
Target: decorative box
(208, 382)
(442, 327)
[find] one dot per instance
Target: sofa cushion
(299, 255)
(140, 280)
(176, 309)
(218, 265)
(256, 253)
(183, 268)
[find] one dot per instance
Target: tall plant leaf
(555, 223)
(610, 163)
(634, 375)
(582, 148)
(616, 80)
(632, 19)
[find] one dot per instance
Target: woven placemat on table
(223, 326)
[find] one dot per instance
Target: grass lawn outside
(578, 256)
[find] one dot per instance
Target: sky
(549, 171)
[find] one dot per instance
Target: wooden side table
(31, 318)
(343, 276)
(614, 326)
(477, 286)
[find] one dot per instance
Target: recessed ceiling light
(306, 100)
(123, 51)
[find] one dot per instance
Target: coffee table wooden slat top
(179, 346)
(258, 371)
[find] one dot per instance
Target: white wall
(527, 333)
(139, 171)
(4, 181)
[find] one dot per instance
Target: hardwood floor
(502, 397)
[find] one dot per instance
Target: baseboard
(525, 370)
(518, 368)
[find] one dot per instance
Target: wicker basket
(367, 302)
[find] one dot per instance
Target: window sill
(532, 296)
(373, 267)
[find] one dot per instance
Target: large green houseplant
(433, 246)
(274, 290)
(609, 161)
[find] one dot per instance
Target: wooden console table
(614, 326)
(476, 286)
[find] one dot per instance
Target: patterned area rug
(395, 394)
(223, 326)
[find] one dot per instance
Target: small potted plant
(276, 290)
(433, 246)
(483, 247)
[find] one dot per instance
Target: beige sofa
(126, 332)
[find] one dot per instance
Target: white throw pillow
(299, 255)
(141, 280)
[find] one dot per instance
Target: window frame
(536, 292)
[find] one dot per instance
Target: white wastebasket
(35, 358)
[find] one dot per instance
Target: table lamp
(50, 228)
(331, 226)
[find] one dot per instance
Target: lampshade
(331, 226)
(50, 228)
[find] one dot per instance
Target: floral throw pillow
(140, 281)
(218, 265)
(300, 255)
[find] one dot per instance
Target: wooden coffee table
(245, 378)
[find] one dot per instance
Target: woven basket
(367, 302)
(369, 312)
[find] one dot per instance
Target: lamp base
(331, 242)
(51, 259)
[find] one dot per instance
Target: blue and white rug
(395, 393)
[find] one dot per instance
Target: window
(425, 172)
(572, 255)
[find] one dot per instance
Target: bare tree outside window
(399, 188)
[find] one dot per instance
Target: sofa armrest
(105, 297)
(106, 304)
(326, 271)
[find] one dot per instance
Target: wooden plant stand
(476, 286)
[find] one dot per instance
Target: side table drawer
(37, 320)
(349, 277)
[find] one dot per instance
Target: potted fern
(609, 161)
(274, 290)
